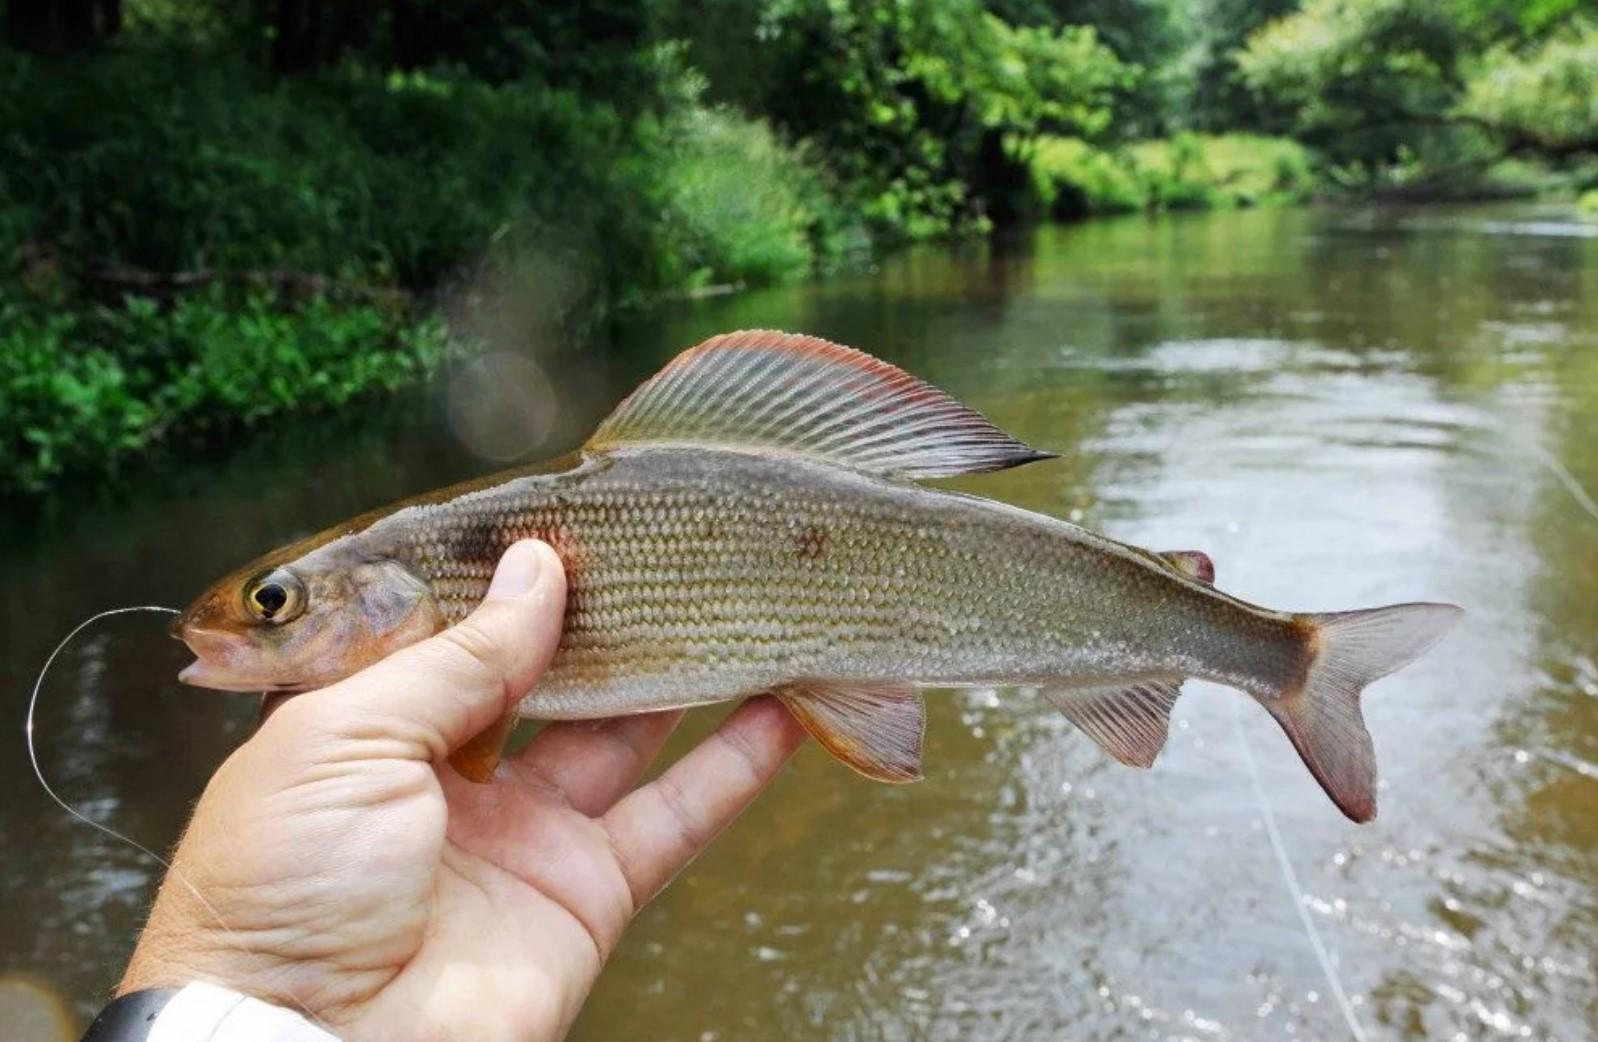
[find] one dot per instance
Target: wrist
(199, 1012)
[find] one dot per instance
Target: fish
(752, 520)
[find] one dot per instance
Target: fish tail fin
(1321, 714)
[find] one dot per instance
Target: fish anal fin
(766, 389)
(475, 761)
(1195, 564)
(875, 728)
(1128, 718)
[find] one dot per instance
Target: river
(1343, 408)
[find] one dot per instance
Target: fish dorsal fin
(1129, 720)
(766, 389)
(875, 728)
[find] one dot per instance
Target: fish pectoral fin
(475, 761)
(875, 728)
(760, 388)
(1129, 719)
(1195, 564)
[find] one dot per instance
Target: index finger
(660, 827)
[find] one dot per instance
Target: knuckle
(691, 830)
(471, 653)
(737, 740)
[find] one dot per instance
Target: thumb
(434, 696)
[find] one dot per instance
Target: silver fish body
(749, 521)
(699, 575)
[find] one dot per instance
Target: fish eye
(275, 597)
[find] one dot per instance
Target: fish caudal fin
(1322, 717)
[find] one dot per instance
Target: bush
(162, 166)
(1075, 179)
(171, 162)
(1189, 171)
(86, 389)
(1547, 97)
(740, 205)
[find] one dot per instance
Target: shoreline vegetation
(213, 214)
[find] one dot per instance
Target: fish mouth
(213, 667)
(202, 673)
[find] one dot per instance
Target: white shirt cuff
(206, 1013)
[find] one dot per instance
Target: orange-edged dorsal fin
(875, 728)
(475, 761)
(765, 389)
(1129, 719)
(1195, 564)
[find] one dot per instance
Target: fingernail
(517, 572)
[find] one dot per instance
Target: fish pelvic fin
(1322, 714)
(476, 760)
(762, 389)
(875, 728)
(1130, 720)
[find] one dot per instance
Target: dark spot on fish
(811, 542)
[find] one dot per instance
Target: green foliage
(1189, 171)
(1407, 93)
(174, 163)
(922, 109)
(171, 163)
(1148, 35)
(1216, 97)
(1547, 96)
(165, 164)
(551, 162)
(1075, 179)
(87, 389)
(739, 205)
(1509, 21)
(1360, 78)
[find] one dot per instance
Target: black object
(129, 1018)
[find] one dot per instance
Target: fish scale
(700, 574)
(749, 520)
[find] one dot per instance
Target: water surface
(1343, 409)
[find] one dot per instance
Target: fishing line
(33, 753)
(1565, 478)
(1279, 848)
(172, 872)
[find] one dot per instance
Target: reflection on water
(1342, 409)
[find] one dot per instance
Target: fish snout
(220, 658)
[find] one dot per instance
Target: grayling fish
(749, 521)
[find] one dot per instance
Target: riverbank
(261, 248)
(190, 246)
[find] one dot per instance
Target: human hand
(353, 876)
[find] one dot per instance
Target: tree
(925, 108)
(48, 26)
(1544, 99)
(1378, 81)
